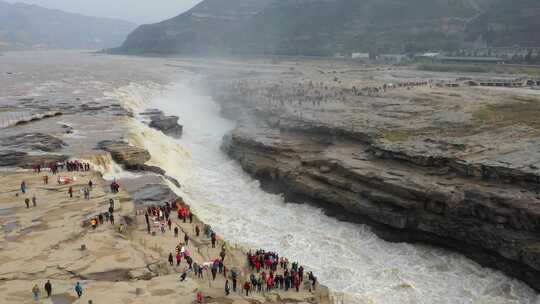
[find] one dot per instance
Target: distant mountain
(205, 28)
(324, 27)
(24, 26)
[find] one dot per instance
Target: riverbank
(115, 262)
(417, 161)
(120, 261)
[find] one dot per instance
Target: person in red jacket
(247, 287)
(199, 297)
(257, 266)
(296, 282)
(269, 283)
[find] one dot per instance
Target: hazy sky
(138, 11)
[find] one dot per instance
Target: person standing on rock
(227, 288)
(222, 254)
(197, 230)
(78, 289)
(247, 287)
(213, 239)
(234, 277)
(147, 222)
(171, 261)
(313, 280)
(34, 201)
(296, 282)
(23, 187)
(111, 218)
(27, 202)
(189, 261)
(214, 271)
(201, 268)
(178, 259)
(162, 227)
(169, 223)
(186, 239)
(46, 179)
(36, 292)
(48, 288)
(70, 191)
(175, 232)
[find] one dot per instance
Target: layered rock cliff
(489, 211)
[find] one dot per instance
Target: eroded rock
(33, 141)
(167, 124)
(131, 157)
(22, 159)
(496, 226)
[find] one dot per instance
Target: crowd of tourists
(303, 95)
(103, 217)
(100, 219)
(265, 271)
(69, 166)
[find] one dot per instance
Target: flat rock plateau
(421, 157)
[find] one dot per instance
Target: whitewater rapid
(348, 258)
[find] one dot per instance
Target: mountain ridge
(325, 27)
(28, 26)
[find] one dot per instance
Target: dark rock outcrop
(11, 158)
(166, 124)
(131, 157)
(33, 141)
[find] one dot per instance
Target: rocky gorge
(406, 183)
(118, 261)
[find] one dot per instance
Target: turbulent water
(357, 265)
(350, 259)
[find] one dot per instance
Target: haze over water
(348, 258)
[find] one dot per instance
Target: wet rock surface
(167, 124)
(131, 157)
(149, 190)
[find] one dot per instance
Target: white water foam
(357, 265)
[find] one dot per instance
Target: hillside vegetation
(325, 27)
